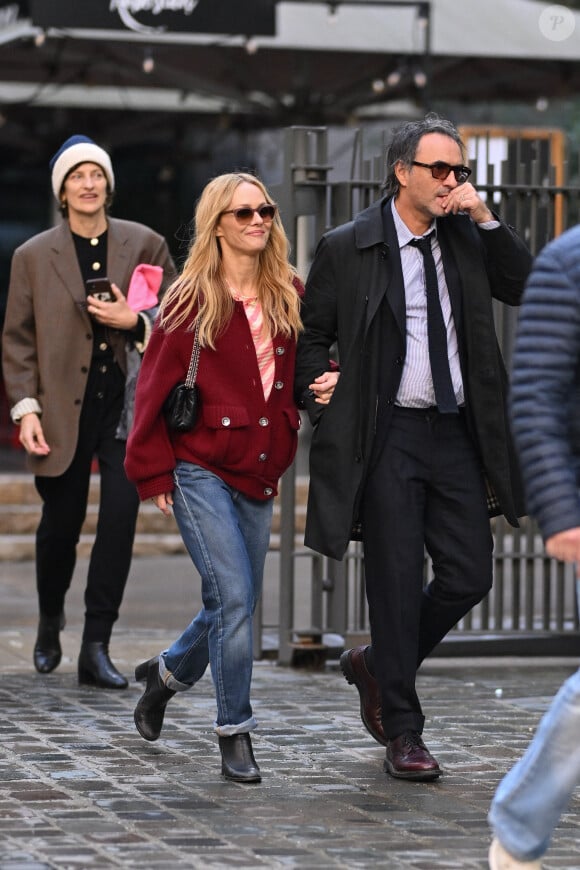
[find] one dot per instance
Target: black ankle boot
(238, 762)
(150, 709)
(47, 652)
(97, 669)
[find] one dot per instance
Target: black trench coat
(355, 296)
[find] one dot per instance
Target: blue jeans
(227, 536)
(533, 795)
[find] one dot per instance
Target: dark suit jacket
(355, 296)
(47, 341)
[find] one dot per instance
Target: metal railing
(533, 606)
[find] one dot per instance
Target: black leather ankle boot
(238, 762)
(150, 709)
(95, 668)
(47, 651)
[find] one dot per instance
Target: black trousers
(64, 509)
(426, 490)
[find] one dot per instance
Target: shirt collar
(404, 234)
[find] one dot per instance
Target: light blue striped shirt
(416, 387)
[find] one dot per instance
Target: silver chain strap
(194, 361)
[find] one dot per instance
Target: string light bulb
(148, 62)
(419, 78)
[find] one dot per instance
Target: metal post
(287, 534)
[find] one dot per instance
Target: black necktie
(437, 334)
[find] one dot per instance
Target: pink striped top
(262, 342)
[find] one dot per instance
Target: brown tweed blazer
(48, 335)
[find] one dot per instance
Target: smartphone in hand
(101, 289)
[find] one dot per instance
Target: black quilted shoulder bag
(182, 404)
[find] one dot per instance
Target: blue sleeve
(545, 398)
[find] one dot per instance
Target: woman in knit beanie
(65, 363)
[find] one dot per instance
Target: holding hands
(323, 386)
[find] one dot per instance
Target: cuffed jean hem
(532, 796)
(169, 680)
(512, 836)
(223, 730)
(243, 728)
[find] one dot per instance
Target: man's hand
(32, 437)
(565, 545)
(323, 387)
(466, 199)
(116, 314)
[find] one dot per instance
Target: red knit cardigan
(247, 441)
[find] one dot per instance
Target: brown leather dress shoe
(353, 666)
(409, 758)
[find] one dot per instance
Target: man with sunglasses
(414, 444)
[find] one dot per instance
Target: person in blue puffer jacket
(545, 412)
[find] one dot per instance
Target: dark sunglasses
(441, 170)
(245, 214)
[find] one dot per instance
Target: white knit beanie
(78, 149)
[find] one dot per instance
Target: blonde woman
(221, 477)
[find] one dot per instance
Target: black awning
(158, 16)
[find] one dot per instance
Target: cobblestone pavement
(80, 788)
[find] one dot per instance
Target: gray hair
(405, 141)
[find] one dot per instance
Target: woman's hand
(323, 386)
(32, 437)
(116, 314)
(164, 502)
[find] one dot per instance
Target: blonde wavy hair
(201, 288)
